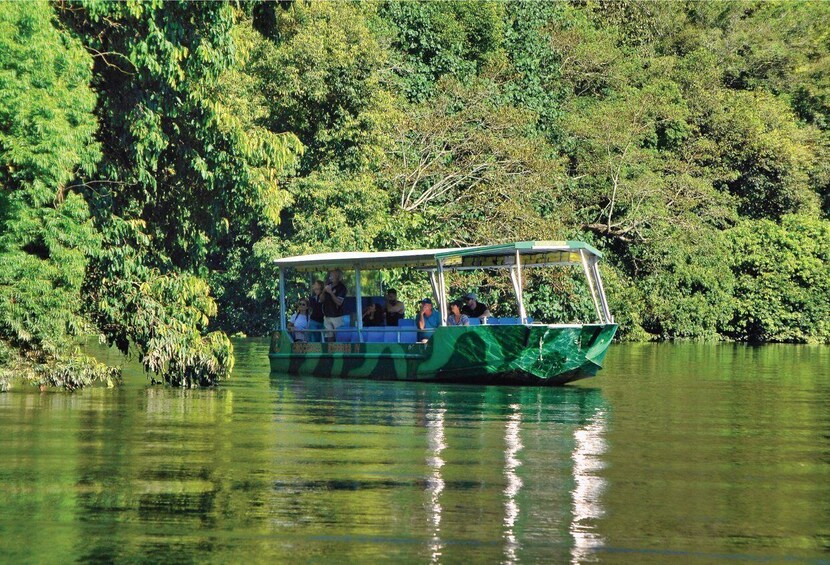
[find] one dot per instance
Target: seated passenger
(474, 308)
(426, 319)
(373, 316)
(298, 322)
(456, 318)
(394, 308)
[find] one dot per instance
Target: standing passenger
(394, 308)
(315, 308)
(333, 296)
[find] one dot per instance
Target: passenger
(426, 319)
(394, 308)
(373, 316)
(474, 308)
(315, 308)
(456, 318)
(299, 321)
(333, 296)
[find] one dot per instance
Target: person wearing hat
(474, 308)
(426, 319)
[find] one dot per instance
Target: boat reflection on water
(588, 462)
(514, 473)
(513, 445)
(435, 484)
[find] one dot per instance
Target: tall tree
(181, 181)
(323, 75)
(46, 138)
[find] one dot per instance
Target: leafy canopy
(46, 138)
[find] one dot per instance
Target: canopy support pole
(359, 300)
(283, 324)
(433, 282)
(602, 297)
(517, 285)
(516, 289)
(442, 295)
(589, 276)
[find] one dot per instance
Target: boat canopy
(532, 253)
(511, 256)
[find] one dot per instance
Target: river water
(689, 452)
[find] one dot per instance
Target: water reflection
(511, 509)
(588, 460)
(465, 429)
(435, 483)
(301, 469)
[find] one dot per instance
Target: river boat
(515, 350)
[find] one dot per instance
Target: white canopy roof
(534, 253)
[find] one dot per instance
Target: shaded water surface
(675, 452)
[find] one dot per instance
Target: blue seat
(475, 322)
(344, 336)
(346, 333)
(391, 335)
(374, 336)
(509, 321)
(407, 333)
(409, 337)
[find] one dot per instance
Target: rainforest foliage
(156, 156)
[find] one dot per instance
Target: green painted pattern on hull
(482, 354)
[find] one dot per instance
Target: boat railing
(379, 334)
(407, 333)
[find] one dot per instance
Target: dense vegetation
(154, 158)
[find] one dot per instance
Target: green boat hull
(497, 354)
